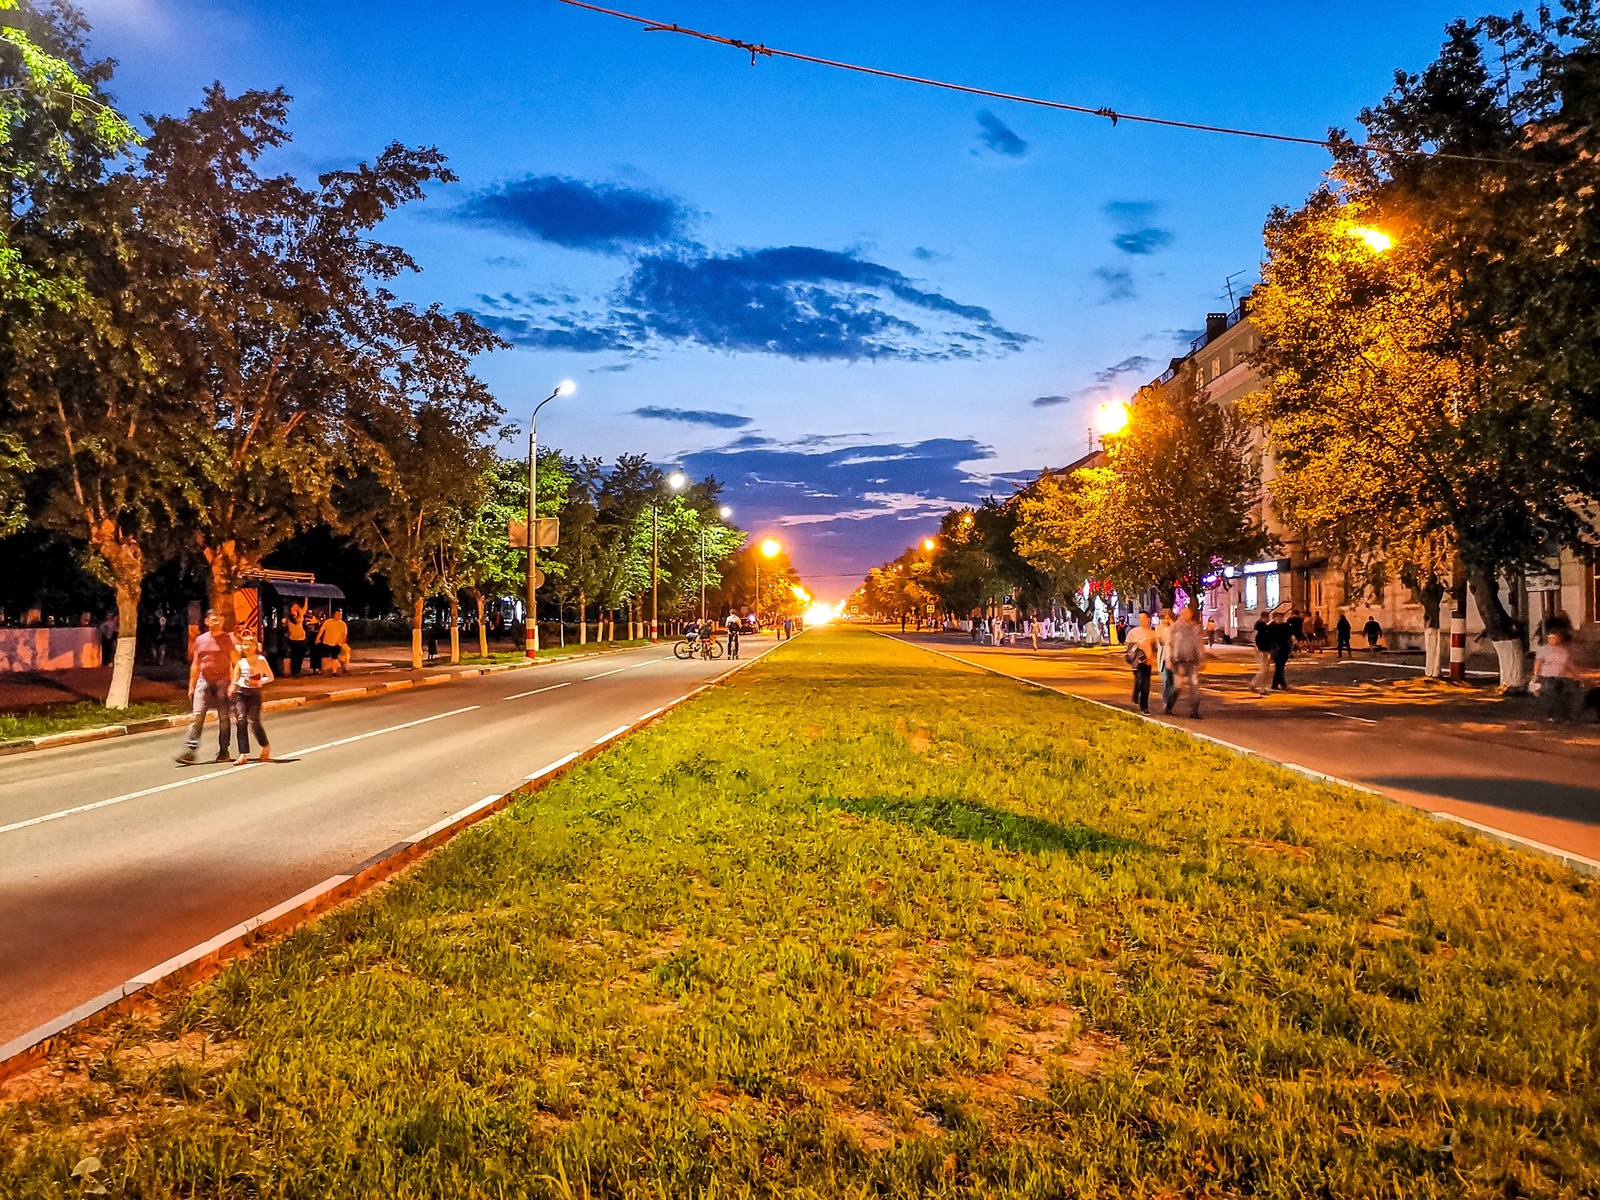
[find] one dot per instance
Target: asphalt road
(113, 859)
(1461, 751)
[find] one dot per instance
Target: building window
(1250, 592)
(1274, 594)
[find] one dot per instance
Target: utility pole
(530, 631)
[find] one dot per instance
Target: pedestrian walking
(1373, 633)
(1211, 631)
(1263, 644)
(1560, 686)
(296, 625)
(334, 638)
(250, 674)
(1319, 633)
(1141, 656)
(210, 673)
(733, 625)
(108, 630)
(1163, 667)
(1282, 645)
(313, 645)
(1341, 634)
(1033, 631)
(1184, 658)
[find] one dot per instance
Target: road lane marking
(194, 779)
(654, 712)
(536, 691)
(620, 729)
(1348, 717)
(361, 737)
(555, 766)
(603, 674)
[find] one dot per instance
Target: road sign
(547, 532)
(538, 578)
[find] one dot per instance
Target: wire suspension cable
(760, 50)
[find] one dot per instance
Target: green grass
(505, 656)
(864, 922)
(81, 714)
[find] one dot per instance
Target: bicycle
(706, 646)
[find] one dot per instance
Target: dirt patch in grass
(948, 936)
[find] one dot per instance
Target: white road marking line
(536, 691)
(654, 712)
(1348, 717)
(608, 736)
(555, 766)
(603, 674)
(361, 737)
(194, 779)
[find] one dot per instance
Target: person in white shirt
(250, 674)
(1143, 647)
(1559, 681)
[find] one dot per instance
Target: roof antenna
(1228, 283)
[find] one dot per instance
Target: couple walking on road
(227, 674)
(1175, 651)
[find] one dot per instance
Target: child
(250, 675)
(1560, 684)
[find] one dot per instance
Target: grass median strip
(860, 922)
(80, 714)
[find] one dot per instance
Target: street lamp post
(769, 547)
(676, 482)
(1111, 419)
(725, 512)
(530, 631)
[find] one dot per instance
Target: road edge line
(1570, 859)
(192, 966)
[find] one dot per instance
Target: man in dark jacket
(1341, 632)
(1280, 645)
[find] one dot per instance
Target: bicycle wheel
(682, 650)
(713, 648)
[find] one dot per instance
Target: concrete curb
(33, 1048)
(99, 733)
(1572, 861)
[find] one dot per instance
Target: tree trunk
(225, 567)
(416, 633)
(483, 627)
(1499, 625)
(125, 559)
(583, 617)
(455, 627)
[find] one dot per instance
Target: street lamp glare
(725, 512)
(1377, 240)
(769, 547)
(676, 480)
(928, 544)
(566, 387)
(1111, 418)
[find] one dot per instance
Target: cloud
(694, 416)
(1128, 366)
(798, 302)
(1052, 401)
(1117, 282)
(923, 254)
(1137, 234)
(998, 136)
(609, 218)
(1141, 241)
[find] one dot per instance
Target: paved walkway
(1441, 747)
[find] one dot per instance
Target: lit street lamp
(1111, 419)
(530, 632)
(676, 482)
(1377, 240)
(769, 547)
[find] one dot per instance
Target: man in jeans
(210, 671)
(1183, 660)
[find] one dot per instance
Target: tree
(1177, 499)
(489, 566)
(1467, 353)
(288, 343)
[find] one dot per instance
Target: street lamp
(530, 631)
(676, 482)
(928, 545)
(1377, 240)
(768, 547)
(1111, 419)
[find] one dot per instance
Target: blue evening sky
(854, 301)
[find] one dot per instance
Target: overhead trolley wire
(758, 50)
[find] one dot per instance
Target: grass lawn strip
(865, 922)
(79, 714)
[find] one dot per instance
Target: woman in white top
(250, 674)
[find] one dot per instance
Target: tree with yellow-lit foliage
(1433, 393)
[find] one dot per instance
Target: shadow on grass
(980, 823)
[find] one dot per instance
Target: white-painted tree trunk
(1433, 653)
(1513, 676)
